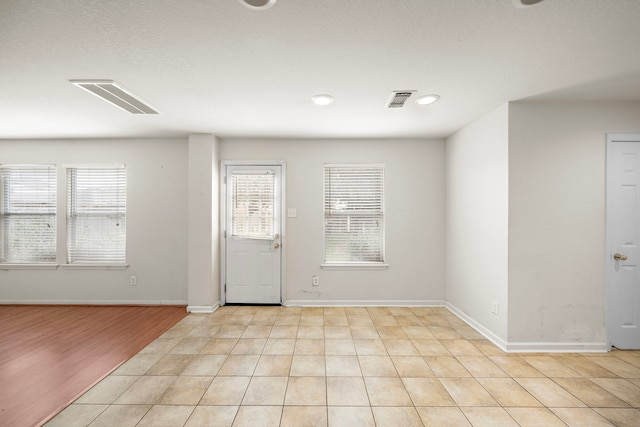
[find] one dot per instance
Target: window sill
(95, 266)
(53, 266)
(47, 266)
(355, 266)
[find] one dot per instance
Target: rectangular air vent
(115, 94)
(398, 98)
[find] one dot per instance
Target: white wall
(477, 173)
(557, 219)
(414, 193)
(203, 224)
(156, 224)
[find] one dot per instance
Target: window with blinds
(28, 214)
(354, 214)
(96, 215)
(252, 204)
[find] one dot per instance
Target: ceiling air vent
(398, 98)
(115, 94)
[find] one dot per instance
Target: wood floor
(49, 355)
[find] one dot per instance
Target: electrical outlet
(133, 281)
(315, 281)
(495, 308)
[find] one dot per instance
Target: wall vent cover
(115, 94)
(398, 98)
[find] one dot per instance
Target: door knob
(619, 257)
(277, 245)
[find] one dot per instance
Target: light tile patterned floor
(376, 366)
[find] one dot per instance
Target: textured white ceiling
(215, 66)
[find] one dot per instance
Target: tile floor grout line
(333, 324)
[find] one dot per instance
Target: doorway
(623, 241)
(253, 232)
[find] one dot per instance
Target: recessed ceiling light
(322, 99)
(525, 3)
(258, 4)
(427, 99)
(115, 94)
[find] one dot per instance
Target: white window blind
(96, 215)
(28, 213)
(354, 213)
(253, 200)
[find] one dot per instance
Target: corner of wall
(476, 249)
(202, 221)
(200, 309)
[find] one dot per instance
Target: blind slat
(96, 215)
(354, 214)
(28, 214)
(252, 205)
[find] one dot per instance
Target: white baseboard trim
(363, 303)
(92, 302)
(501, 343)
(202, 309)
(529, 347)
(557, 347)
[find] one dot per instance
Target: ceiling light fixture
(427, 99)
(525, 3)
(113, 93)
(258, 4)
(322, 100)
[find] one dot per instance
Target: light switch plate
(292, 213)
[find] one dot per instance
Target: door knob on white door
(619, 257)
(277, 245)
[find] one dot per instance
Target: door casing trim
(223, 220)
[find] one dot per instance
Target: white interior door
(623, 231)
(253, 254)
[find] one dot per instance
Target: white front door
(623, 235)
(253, 254)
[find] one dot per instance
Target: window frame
(264, 221)
(52, 204)
(61, 226)
(359, 264)
(69, 202)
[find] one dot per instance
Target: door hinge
(225, 287)
(225, 234)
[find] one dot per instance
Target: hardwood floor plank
(49, 355)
